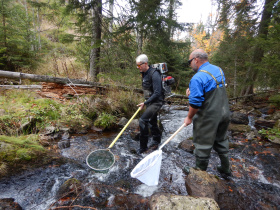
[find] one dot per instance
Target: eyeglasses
(138, 65)
(190, 61)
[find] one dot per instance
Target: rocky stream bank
(255, 161)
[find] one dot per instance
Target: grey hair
(201, 55)
(142, 58)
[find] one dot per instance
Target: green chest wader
(211, 122)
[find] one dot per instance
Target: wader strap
(222, 76)
(218, 83)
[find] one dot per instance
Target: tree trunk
(235, 78)
(96, 39)
(4, 24)
(170, 17)
(39, 29)
(139, 41)
(111, 11)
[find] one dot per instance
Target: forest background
(99, 40)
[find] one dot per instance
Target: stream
(255, 166)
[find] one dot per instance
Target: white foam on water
(145, 190)
(262, 179)
(111, 200)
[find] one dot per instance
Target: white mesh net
(148, 169)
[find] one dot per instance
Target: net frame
(111, 145)
(100, 169)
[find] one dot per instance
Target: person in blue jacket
(154, 96)
(208, 111)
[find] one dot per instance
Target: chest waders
(210, 125)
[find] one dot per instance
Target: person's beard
(195, 68)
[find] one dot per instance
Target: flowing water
(255, 170)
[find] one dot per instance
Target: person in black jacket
(153, 94)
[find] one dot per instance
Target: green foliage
(19, 106)
(270, 133)
(275, 99)
(66, 38)
(22, 148)
(105, 120)
(17, 37)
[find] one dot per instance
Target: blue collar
(203, 65)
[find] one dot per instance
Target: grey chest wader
(210, 124)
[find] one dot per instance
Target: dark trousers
(149, 121)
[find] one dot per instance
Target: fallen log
(20, 86)
(59, 80)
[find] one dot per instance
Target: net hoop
(150, 160)
(109, 153)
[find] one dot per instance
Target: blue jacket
(202, 83)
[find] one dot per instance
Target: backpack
(167, 81)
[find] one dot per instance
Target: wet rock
(82, 131)
(135, 135)
(9, 204)
(239, 118)
(66, 135)
(239, 128)
(276, 116)
(262, 109)
(45, 139)
(255, 112)
(122, 121)
(96, 129)
(134, 124)
(29, 126)
(48, 130)
(63, 144)
(168, 201)
(56, 136)
(130, 201)
(187, 145)
(201, 184)
(274, 139)
(251, 135)
(69, 188)
(262, 123)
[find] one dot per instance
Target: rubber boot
(224, 168)
(143, 145)
(155, 143)
(201, 163)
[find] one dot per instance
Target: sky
(194, 11)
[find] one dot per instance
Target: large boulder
(239, 118)
(239, 128)
(187, 145)
(201, 184)
(263, 123)
(168, 201)
(9, 204)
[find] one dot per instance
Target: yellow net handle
(171, 137)
(117, 137)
